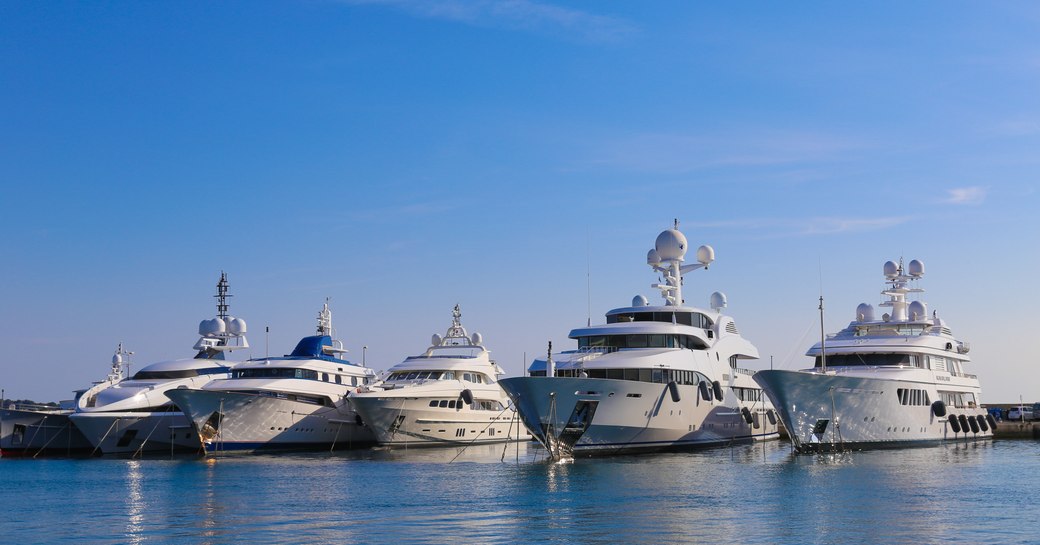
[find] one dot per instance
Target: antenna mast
(222, 295)
(823, 341)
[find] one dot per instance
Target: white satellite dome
(865, 313)
(918, 311)
(640, 301)
(213, 326)
(891, 269)
(705, 254)
(671, 244)
(916, 268)
(117, 358)
(236, 326)
(436, 340)
(477, 338)
(653, 258)
(718, 300)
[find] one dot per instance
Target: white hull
(226, 421)
(32, 433)
(630, 416)
(399, 421)
(137, 432)
(861, 412)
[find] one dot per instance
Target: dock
(1017, 430)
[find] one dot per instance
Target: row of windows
(912, 396)
(660, 376)
(748, 394)
(958, 399)
(178, 373)
(642, 341)
(313, 400)
(695, 319)
(475, 378)
(848, 360)
(306, 374)
(477, 405)
(937, 363)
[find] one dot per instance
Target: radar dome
(918, 311)
(640, 301)
(671, 244)
(236, 326)
(436, 340)
(891, 269)
(653, 258)
(118, 358)
(214, 326)
(718, 300)
(916, 268)
(477, 338)
(705, 254)
(865, 313)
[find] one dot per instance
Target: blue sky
(515, 157)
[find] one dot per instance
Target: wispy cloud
(966, 195)
(516, 15)
(768, 228)
(830, 226)
(679, 153)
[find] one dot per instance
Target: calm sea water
(975, 493)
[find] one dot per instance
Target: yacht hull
(132, 432)
(40, 433)
(410, 421)
(236, 421)
(830, 412)
(585, 416)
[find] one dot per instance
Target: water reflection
(135, 505)
(750, 494)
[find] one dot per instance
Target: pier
(1017, 430)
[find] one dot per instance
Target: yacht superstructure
(447, 395)
(890, 382)
(134, 415)
(298, 401)
(651, 378)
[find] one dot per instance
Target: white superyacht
(448, 395)
(298, 401)
(652, 378)
(891, 382)
(134, 415)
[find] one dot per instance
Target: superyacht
(448, 395)
(654, 377)
(134, 415)
(295, 402)
(896, 381)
